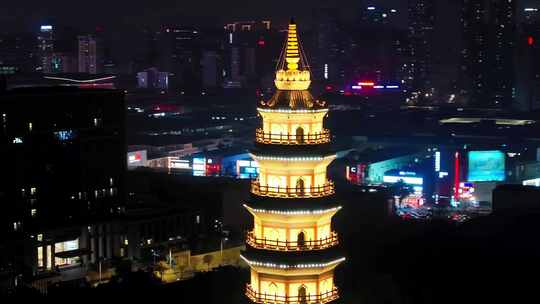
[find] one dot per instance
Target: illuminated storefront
(66, 246)
(292, 249)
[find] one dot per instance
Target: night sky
(28, 14)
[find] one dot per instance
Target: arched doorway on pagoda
(273, 290)
(302, 294)
(301, 239)
(300, 135)
(300, 186)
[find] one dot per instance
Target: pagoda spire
(292, 52)
(292, 73)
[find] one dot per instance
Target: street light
(223, 239)
(100, 259)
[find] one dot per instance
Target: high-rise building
(90, 55)
(292, 249)
(17, 53)
(419, 66)
(45, 47)
(528, 62)
(248, 57)
(329, 48)
(378, 15)
(487, 69)
(179, 53)
(531, 15)
(211, 69)
(380, 29)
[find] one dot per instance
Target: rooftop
(497, 121)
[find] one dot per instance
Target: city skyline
(285, 152)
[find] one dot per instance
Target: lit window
(326, 71)
(40, 256)
(198, 219)
(66, 246)
(30, 126)
(49, 257)
(33, 190)
(40, 237)
(33, 212)
(17, 226)
(65, 135)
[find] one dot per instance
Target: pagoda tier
(292, 249)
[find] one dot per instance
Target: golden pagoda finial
(295, 76)
(292, 53)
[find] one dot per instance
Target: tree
(208, 260)
(160, 268)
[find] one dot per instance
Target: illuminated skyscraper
(292, 249)
(487, 69)
(90, 55)
(421, 25)
(45, 47)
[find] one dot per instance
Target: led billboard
(486, 166)
(137, 159)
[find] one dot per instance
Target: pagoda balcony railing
(290, 139)
(278, 245)
(288, 192)
(321, 298)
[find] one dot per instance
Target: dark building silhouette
(249, 52)
(328, 46)
(516, 200)
(17, 53)
(179, 53)
(528, 62)
(65, 160)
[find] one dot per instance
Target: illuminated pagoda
(292, 250)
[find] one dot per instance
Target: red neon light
(530, 40)
(261, 42)
(368, 84)
(456, 176)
